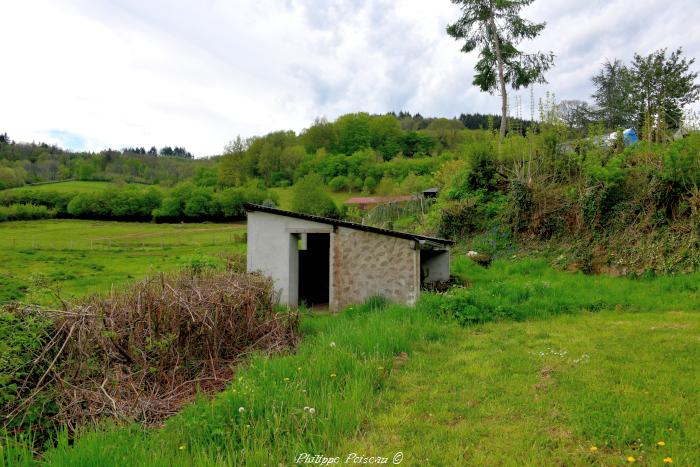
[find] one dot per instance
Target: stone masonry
(365, 264)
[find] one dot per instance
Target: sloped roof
(349, 225)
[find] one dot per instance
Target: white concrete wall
(272, 250)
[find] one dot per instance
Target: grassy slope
(337, 370)
(538, 392)
(72, 187)
(89, 256)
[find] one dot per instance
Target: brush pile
(142, 353)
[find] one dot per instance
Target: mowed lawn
(81, 257)
(608, 388)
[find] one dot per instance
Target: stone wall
(366, 264)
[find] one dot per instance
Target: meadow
(80, 257)
(72, 187)
(590, 370)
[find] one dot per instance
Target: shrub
(682, 163)
(309, 197)
(22, 336)
(137, 354)
(55, 200)
(339, 183)
(25, 212)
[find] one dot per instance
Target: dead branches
(142, 353)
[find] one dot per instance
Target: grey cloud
(254, 66)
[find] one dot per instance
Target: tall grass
(531, 289)
(277, 407)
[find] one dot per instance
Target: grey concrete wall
(435, 266)
(272, 250)
(366, 264)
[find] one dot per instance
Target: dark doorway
(314, 270)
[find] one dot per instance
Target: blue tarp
(629, 136)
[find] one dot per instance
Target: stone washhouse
(319, 261)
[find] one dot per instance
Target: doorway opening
(314, 269)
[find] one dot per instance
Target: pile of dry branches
(142, 353)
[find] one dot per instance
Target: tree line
(26, 163)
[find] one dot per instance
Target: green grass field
(72, 187)
(549, 368)
(81, 257)
(574, 379)
(586, 389)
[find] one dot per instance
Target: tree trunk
(501, 78)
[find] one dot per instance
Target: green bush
(25, 212)
(55, 200)
(22, 335)
(309, 197)
(682, 163)
(339, 183)
(116, 203)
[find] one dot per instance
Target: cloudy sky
(91, 74)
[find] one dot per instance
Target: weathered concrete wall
(272, 250)
(366, 264)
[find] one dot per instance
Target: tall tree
(613, 95)
(496, 28)
(664, 85)
(575, 113)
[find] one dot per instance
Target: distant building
(366, 203)
(318, 261)
(431, 193)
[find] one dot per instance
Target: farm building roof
(380, 199)
(349, 225)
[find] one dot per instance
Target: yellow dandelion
(182, 448)
(631, 459)
(299, 369)
(332, 375)
(661, 443)
(594, 449)
(668, 460)
(286, 380)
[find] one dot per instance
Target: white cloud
(197, 73)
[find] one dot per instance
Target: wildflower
(668, 460)
(594, 449)
(661, 444)
(332, 375)
(312, 410)
(631, 459)
(306, 409)
(182, 448)
(286, 380)
(241, 409)
(332, 344)
(299, 369)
